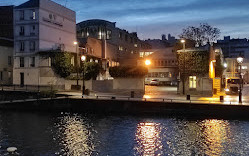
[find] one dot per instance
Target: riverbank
(130, 107)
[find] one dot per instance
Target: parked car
(154, 82)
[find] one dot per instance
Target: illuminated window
(243, 67)
(32, 15)
(192, 81)
(141, 54)
(120, 48)
(120, 35)
(135, 45)
(108, 34)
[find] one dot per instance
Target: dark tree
(62, 64)
(202, 34)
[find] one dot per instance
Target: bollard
(188, 97)
(132, 94)
(221, 98)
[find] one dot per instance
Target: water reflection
(148, 139)
(75, 136)
(215, 133)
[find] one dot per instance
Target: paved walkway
(154, 93)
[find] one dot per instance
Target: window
(120, 48)
(22, 46)
(192, 81)
(32, 45)
(1, 75)
(32, 64)
(120, 35)
(126, 37)
(9, 60)
(72, 60)
(49, 61)
(21, 31)
(108, 34)
(32, 15)
(21, 61)
(135, 45)
(9, 75)
(32, 30)
(21, 14)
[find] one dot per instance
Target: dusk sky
(151, 18)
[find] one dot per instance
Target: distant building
(41, 27)
(162, 43)
(6, 22)
(163, 66)
(197, 71)
(128, 44)
(99, 51)
(232, 48)
(6, 45)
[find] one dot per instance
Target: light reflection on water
(148, 139)
(81, 134)
(75, 136)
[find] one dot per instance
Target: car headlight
(227, 90)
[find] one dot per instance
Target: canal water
(69, 134)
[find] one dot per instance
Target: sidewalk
(228, 99)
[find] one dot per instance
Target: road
(169, 92)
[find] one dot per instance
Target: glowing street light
(225, 65)
(147, 62)
(240, 60)
(75, 43)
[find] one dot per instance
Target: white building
(39, 26)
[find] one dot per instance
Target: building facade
(128, 44)
(233, 48)
(163, 66)
(6, 64)
(197, 71)
(40, 26)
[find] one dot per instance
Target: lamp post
(183, 74)
(77, 61)
(240, 60)
(83, 59)
(147, 63)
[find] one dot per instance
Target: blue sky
(151, 18)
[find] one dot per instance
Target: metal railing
(169, 100)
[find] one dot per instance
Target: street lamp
(77, 61)
(83, 59)
(240, 61)
(147, 63)
(183, 81)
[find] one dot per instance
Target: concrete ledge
(130, 107)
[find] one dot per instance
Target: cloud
(153, 17)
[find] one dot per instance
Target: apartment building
(41, 27)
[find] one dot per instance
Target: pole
(183, 82)
(77, 63)
(83, 79)
(240, 88)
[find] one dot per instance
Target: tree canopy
(202, 34)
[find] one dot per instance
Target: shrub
(128, 71)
